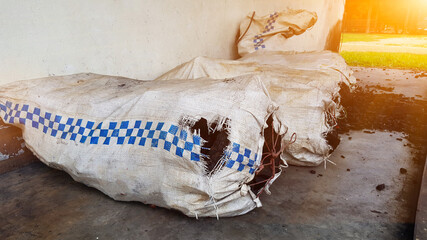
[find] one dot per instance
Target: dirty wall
(137, 39)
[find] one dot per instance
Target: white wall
(134, 38)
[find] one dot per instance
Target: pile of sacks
(193, 139)
(304, 85)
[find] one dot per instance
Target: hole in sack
(216, 140)
(332, 138)
(269, 163)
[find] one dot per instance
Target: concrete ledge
(420, 231)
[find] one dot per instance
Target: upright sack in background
(192, 146)
(271, 31)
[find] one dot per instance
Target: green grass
(364, 37)
(387, 60)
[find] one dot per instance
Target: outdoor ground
(385, 50)
(371, 192)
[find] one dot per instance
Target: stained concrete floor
(407, 82)
(339, 202)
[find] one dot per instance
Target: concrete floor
(406, 82)
(339, 202)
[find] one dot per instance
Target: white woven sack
(271, 31)
(306, 92)
(134, 140)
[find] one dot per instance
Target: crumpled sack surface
(135, 140)
(304, 85)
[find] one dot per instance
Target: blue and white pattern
(258, 40)
(241, 157)
(134, 132)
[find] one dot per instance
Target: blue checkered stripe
(258, 40)
(143, 133)
(134, 132)
(240, 158)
